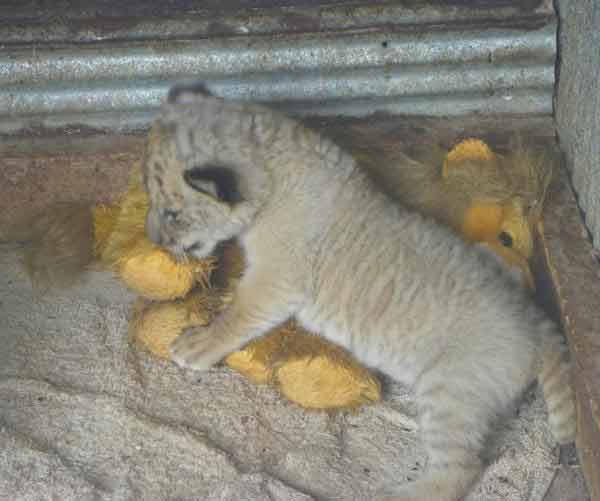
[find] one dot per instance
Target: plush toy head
(502, 198)
(145, 267)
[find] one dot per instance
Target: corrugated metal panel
(93, 21)
(433, 59)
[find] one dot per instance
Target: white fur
(403, 293)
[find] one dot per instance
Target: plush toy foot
(156, 325)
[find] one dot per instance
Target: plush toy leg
(58, 243)
(307, 369)
(105, 218)
(320, 375)
(155, 325)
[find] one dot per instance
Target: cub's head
(204, 170)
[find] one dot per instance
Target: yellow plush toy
(307, 369)
(491, 199)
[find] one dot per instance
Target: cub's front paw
(197, 348)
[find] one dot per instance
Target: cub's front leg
(262, 301)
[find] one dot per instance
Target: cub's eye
(170, 215)
(505, 239)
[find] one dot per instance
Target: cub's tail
(555, 380)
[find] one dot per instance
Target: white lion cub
(404, 294)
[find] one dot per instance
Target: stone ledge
(574, 272)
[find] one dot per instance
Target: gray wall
(578, 102)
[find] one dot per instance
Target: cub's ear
(217, 181)
(188, 92)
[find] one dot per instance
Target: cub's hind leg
(555, 380)
(458, 405)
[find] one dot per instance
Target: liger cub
(403, 293)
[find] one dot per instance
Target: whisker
(180, 254)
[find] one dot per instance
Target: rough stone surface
(85, 416)
(578, 102)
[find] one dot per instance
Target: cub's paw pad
(197, 348)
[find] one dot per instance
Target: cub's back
(388, 280)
